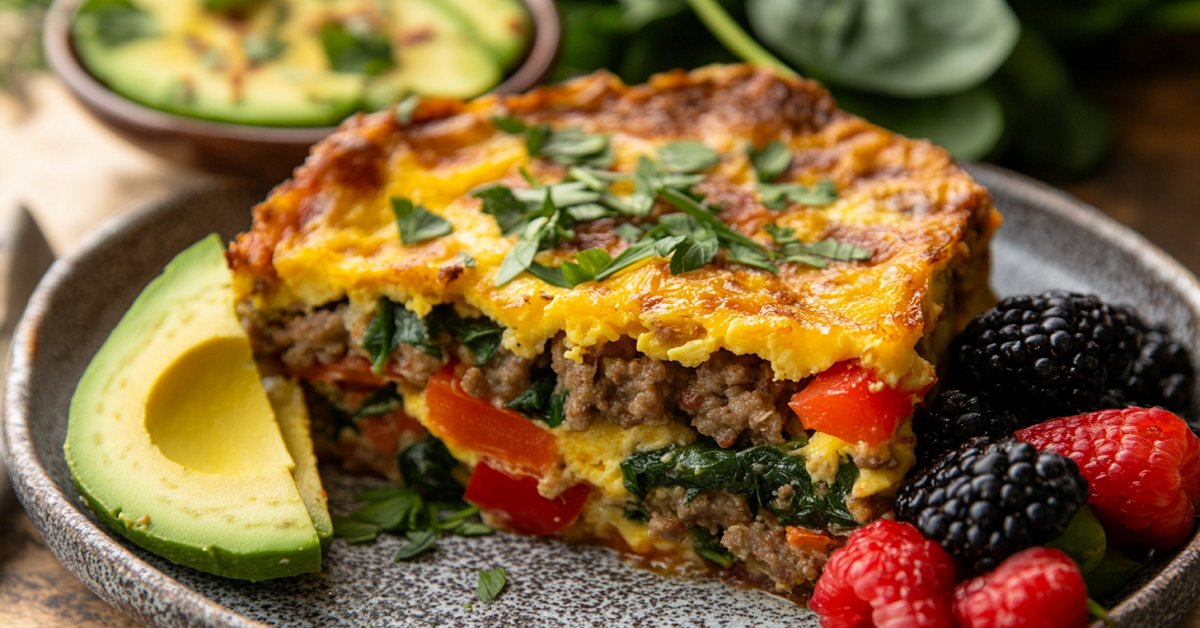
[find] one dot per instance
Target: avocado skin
(252, 527)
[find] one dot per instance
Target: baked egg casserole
(688, 320)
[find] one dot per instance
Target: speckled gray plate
(1049, 241)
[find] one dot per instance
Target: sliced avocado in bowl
(173, 441)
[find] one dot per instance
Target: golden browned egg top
(329, 233)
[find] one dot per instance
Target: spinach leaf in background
(911, 49)
(1049, 124)
(356, 52)
(968, 124)
(427, 466)
(114, 22)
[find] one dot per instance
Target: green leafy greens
(491, 584)
(814, 253)
(417, 224)
(771, 162)
(540, 402)
(395, 324)
(354, 52)
(776, 196)
(757, 472)
(569, 146)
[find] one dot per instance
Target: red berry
(886, 576)
(1035, 588)
(1142, 467)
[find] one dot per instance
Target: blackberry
(955, 416)
(1054, 353)
(992, 498)
(1162, 372)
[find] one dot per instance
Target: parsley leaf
(417, 224)
(629, 231)
(777, 196)
(499, 202)
(640, 250)
(356, 52)
(687, 157)
(691, 254)
(771, 162)
(569, 146)
(381, 401)
(491, 584)
(587, 263)
(520, 256)
(391, 513)
(353, 531)
(552, 275)
(703, 214)
(419, 542)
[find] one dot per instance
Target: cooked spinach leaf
(381, 401)
(427, 466)
(481, 335)
(710, 549)
(411, 330)
(356, 52)
(757, 473)
(534, 403)
(417, 224)
(379, 338)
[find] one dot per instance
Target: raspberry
(886, 575)
(1142, 467)
(1036, 588)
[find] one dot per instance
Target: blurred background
(1099, 97)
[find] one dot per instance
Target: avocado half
(175, 444)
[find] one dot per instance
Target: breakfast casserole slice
(688, 320)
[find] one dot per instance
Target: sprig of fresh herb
(419, 542)
(491, 584)
(568, 146)
(417, 224)
(404, 511)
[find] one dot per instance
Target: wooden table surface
(73, 174)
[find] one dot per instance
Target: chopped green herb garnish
(417, 224)
(472, 528)
(380, 493)
(629, 231)
(586, 265)
(500, 203)
(778, 196)
(686, 157)
(771, 162)
(813, 253)
(356, 52)
(466, 259)
(549, 274)
(390, 514)
(520, 256)
(419, 542)
(491, 584)
(569, 146)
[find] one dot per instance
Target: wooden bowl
(241, 149)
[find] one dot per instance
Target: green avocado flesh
(175, 444)
(298, 63)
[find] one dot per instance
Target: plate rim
(154, 598)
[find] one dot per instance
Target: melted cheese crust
(329, 233)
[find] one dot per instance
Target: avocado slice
(174, 444)
(504, 26)
(287, 400)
